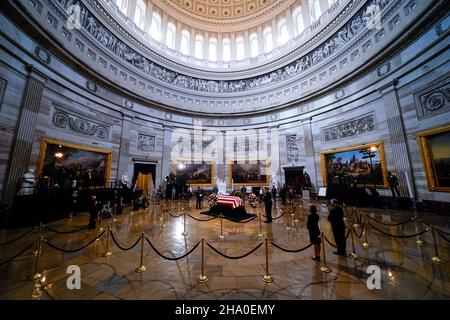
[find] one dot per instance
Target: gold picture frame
(424, 139)
(43, 150)
(189, 161)
(243, 161)
(380, 149)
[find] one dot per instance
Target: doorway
(144, 177)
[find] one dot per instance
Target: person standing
(174, 192)
(199, 196)
(336, 218)
(93, 212)
(312, 225)
(393, 184)
(274, 193)
(267, 198)
(283, 194)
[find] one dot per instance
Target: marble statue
(221, 186)
(27, 186)
(124, 180)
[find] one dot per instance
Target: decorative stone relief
(127, 54)
(433, 99)
(78, 124)
(91, 86)
(249, 145)
(43, 55)
(292, 148)
(146, 142)
(350, 128)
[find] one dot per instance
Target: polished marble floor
(407, 269)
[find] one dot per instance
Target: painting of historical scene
(436, 154)
(65, 165)
(362, 166)
(195, 174)
(252, 173)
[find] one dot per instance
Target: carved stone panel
(292, 148)
(146, 142)
(64, 119)
(350, 128)
(433, 99)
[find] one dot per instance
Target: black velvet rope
(72, 250)
(443, 237)
(173, 215)
(197, 219)
(64, 232)
(276, 218)
(170, 258)
(122, 247)
(348, 233)
(392, 224)
(362, 231)
(400, 236)
(329, 242)
(234, 258)
(18, 238)
(291, 250)
(439, 230)
(15, 256)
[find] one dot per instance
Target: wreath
(212, 199)
(252, 200)
(238, 193)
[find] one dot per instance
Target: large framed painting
(249, 173)
(195, 174)
(362, 165)
(435, 147)
(63, 163)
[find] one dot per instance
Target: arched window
(139, 14)
(283, 32)
(314, 10)
(240, 48)
(298, 20)
(268, 40)
(122, 5)
(170, 36)
(212, 49)
(185, 38)
(254, 46)
(226, 49)
(155, 27)
(199, 47)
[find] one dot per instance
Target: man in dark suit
(199, 195)
(93, 212)
(267, 198)
(336, 218)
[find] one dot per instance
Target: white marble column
(290, 23)
(275, 168)
(124, 148)
(310, 163)
(148, 16)
(397, 135)
(23, 140)
(131, 9)
(166, 154)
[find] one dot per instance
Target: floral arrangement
(238, 193)
(212, 200)
(253, 200)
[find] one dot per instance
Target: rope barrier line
(242, 221)
(348, 233)
(15, 256)
(438, 230)
(73, 250)
(197, 219)
(329, 242)
(174, 216)
(18, 238)
(442, 236)
(276, 218)
(362, 231)
(400, 236)
(392, 224)
(238, 257)
(64, 232)
(122, 247)
(170, 258)
(291, 250)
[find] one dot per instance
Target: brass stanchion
(36, 249)
(436, 258)
(267, 277)
(202, 278)
(366, 240)
(324, 267)
(419, 241)
(260, 234)
(132, 206)
(355, 225)
(37, 275)
(184, 233)
(353, 255)
(107, 252)
(141, 268)
(221, 237)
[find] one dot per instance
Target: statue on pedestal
(27, 186)
(221, 186)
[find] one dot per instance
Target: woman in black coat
(314, 232)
